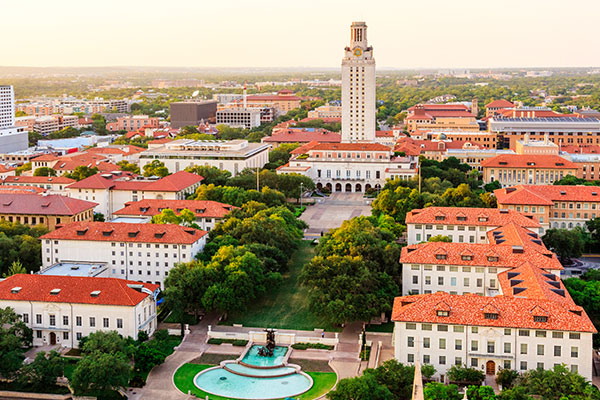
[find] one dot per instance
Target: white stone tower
(358, 88)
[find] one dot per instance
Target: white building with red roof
(495, 106)
(208, 213)
(301, 136)
(462, 224)
(50, 184)
(533, 169)
(112, 190)
(349, 167)
(554, 206)
(489, 306)
(63, 309)
(143, 252)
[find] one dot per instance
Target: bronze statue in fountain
(267, 351)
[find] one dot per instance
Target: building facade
(231, 155)
(554, 206)
(246, 118)
(192, 113)
(47, 210)
(133, 123)
(358, 88)
(12, 137)
(514, 169)
(326, 111)
(61, 310)
(141, 252)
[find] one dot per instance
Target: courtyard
(330, 212)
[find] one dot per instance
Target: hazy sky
(298, 33)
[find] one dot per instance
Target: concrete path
(159, 384)
(490, 380)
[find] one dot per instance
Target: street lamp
(301, 194)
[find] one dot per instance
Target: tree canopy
(156, 168)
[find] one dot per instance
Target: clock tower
(358, 88)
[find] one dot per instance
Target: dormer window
(440, 217)
(461, 218)
(490, 315)
(466, 257)
(483, 219)
(540, 318)
(440, 256)
(492, 258)
(443, 313)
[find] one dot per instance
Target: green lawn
(323, 382)
(285, 307)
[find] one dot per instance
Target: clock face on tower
(357, 52)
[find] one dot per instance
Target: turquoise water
(226, 384)
(253, 358)
(260, 372)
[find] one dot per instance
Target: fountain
(267, 351)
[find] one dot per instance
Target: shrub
(142, 336)
(215, 341)
(239, 342)
(161, 335)
(304, 346)
(464, 374)
(428, 370)
(506, 378)
(137, 381)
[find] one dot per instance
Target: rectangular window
(426, 343)
(410, 341)
(523, 348)
(78, 336)
(523, 332)
(573, 335)
(458, 344)
(491, 347)
(26, 318)
(92, 322)
(426, 359)
(474, 345)
(52, 320)
(523, 365)
(442, 344)
(410, 358)
(426, 327)
(574, 352)
(78, 321)
(38, 318)
(540, 349)
(65, 335)
(442, 328)
(474, 362)
(105, 322)
(442, 360)
(557, 351)
(458, 328)
(507, 348)
(65, 320)
(411, 326)
(458, 361)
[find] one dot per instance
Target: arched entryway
(367, 187)
(319, 186)
(348, 187)
(490, 368)
(358, 188)
(338, 187)
(377, 187)
(52, 338)
(328, 186)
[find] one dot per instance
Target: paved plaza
(329, 213)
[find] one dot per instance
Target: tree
(494, 185)
(156, 168)
(557, 384)
(146, 357)
(571, 180)
(107, 342)
(81, 172)
(15, 268)
(99, 124)
(211, 175)
(44, 171)
(101, 371)
(22, 168)
(188, 130)
(98, 217)
(489, 200)
(457, 373)
(397, 377)
(281, 154)
(506, 378)
(360, 388)
(14, 337)
(440, 238)
(518, 393)
(481, 393)
(166, 216)
(566, 243)
(428, 370)
(127, 166)
(43, 371)
(437, 391)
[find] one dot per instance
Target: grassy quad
(323, 382)
(285, 307)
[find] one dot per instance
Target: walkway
(159, 384)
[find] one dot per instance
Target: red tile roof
(301, 135)
(74, 289)
(4, 168)
(125, 232)
(547, 194)
(34, 204)
(481, 255)
(151, 207)
(580, 149)
(439, 107)
(473, 216)
(39, 179)
(432, 114)
(384, 133)
(528, 161)
(513, 312)
(327, 120)
(21, 189)
(304, 148)
(127, 181)
(352, 147)
(499, 104)
(528, 113)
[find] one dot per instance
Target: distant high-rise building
(358, 88)
(12, 138)
(192, 113)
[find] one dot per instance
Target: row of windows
(453, 268)
(507, 331)
(139, 245)
(466, 281)
(65, 320)
(460, 238)
(506, 364)
(451, 227)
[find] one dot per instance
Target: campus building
(231, 155)
(142, 252)
(132, 123)
(114, 189)
(532, 169)
(246, 118)
(50, 184)
(554, 206)
(46, 210)
(208, 213)
(441, 117)
(12, 138)
(61, 310)
(192, 113)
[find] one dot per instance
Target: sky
(298, 33)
